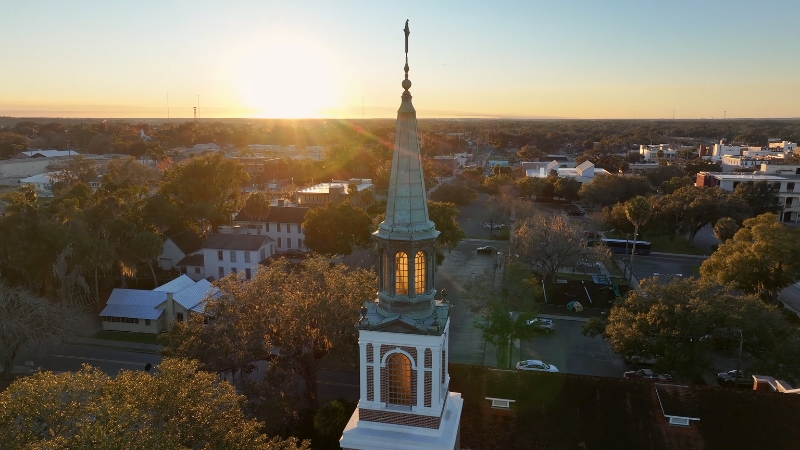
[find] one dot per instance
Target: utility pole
(739, 361)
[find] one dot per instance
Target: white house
(42, 183)
(583, 173)
(225, 254)
(284, 224)
(651, 152)
(153, 311)
(177, 247)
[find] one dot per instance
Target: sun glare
(287, 78)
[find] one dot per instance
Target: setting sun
(287, 78)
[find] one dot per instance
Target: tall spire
(407, 205)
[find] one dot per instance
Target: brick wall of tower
(397, 418)
(370, 351)
(428, 358)
(410, 350)
(370, 384)
(428, 388)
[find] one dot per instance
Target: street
(666, 266)
(70, 358)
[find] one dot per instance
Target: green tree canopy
(725, 228)
(761, 197)
(762, 258)
(179, 407)
(606, 190)
(291, 316)
(206, 189)
(460, 195)
(695, 166)
(336, 229)
(691, 208)
(677, 323)
(445, 217)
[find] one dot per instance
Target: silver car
(536, 365)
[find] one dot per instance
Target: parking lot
(572, 352)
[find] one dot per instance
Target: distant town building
(653, 152)
(46, 153)
(333, 192)
(583, 173)
(260, 169)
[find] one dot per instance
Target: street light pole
(739, 361)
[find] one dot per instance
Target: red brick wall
(428, 358)
(428, 388)
(397, 418)
(370, 384)
(370, 351)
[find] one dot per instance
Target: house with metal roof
(154, 311)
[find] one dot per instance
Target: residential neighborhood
(275, 259)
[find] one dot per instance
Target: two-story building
(283, 224)
(785, 177)
(177, 247)
(224, 254)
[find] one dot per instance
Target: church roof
(407, 205)
(566, 411)
(433, 322)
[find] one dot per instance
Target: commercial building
(333, 192)
(653, 152)
(783, 176)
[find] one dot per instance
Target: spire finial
(406, 82)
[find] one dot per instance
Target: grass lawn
(141, 338)
(663, 244)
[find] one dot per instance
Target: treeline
(437, 136)
(61, 247)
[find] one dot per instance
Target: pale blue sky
(582, 59)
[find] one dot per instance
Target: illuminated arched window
(399, 370)
(419, 273)
(401, 274)
(384, 271)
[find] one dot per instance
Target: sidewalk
(119, 345)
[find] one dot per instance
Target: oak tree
(177, 407)
(336, 229)
(762, 258)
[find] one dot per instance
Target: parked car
(647, 374)
(576, 212)
(639, 360)
(735, 378)
(489, 250)
(294, 253)
(536, 366)
(542, 324)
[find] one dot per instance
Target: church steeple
(403, 335)
(407, 205)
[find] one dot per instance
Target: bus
(625, 246)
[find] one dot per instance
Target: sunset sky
(532, 59)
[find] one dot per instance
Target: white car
(542, 324)
(536, 365)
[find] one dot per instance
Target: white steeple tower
(403, 335)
